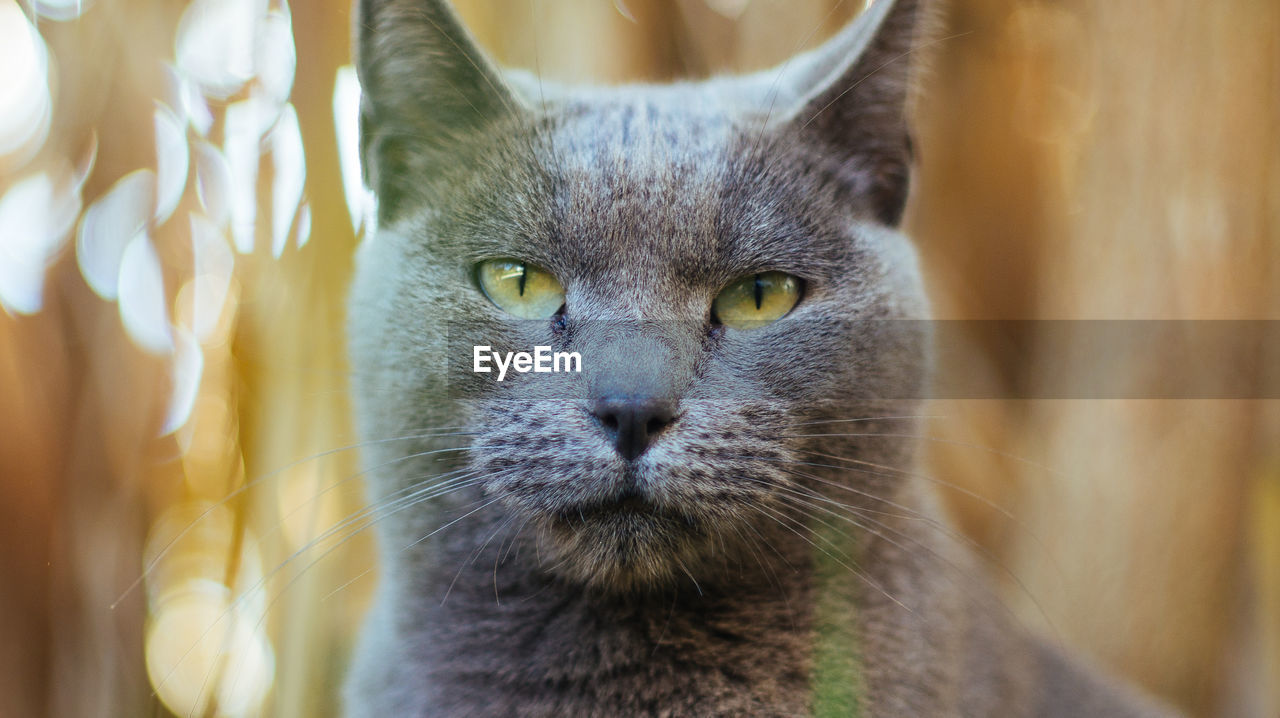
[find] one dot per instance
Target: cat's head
(715, 252)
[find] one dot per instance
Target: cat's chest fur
(509, 642)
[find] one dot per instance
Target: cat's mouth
(629, 515)
(624, 541)
(624, 505)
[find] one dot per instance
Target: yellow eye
(520, 289)
(756, 300)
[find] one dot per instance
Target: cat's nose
(632, 422)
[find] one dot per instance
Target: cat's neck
(898, 628)
(735, 644)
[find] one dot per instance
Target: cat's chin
(627, 545)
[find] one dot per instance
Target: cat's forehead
(663, 186)
(643, 191)
(644, 131)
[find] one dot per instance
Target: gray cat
(717, 515)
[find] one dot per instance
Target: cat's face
(680, 435)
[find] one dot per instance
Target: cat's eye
(520, 289)
(756, 300)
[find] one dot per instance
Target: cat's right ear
(425, 86)
(849, 99)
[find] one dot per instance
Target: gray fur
(527, 590)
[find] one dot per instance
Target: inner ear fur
(853, 95)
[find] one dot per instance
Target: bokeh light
(60, 9)
(25, 103)
(172, 161)
(200, 648)
(108, 226)
(37, 213)
(216, 42)
(290, 168)
(346, 120)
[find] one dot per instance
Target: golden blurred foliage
(1079, 159)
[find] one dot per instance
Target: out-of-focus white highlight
(25, 104)
(199, 647)
(275, 58)
(171, 162)
(241, 146)
(37, 213)
(213, 183)
(107, 226)
(187, 368)
(304, 225)
(290, 165)
(215, 43)
(184, 96)
(731, 9)
(60, 9)
(211, 278)
(346, 119)
(202, 643)
(23, 253)
(142, 303)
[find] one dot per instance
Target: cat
(719, 514)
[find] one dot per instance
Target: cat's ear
(849, 98)
(425, 84)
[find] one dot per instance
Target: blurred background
(180, 513)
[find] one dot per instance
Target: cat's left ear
(426, 86)
(850, 100)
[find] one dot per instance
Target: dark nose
(632, 423)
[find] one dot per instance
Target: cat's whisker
(895, 471)
(500, 556)
(540, 127)
(770, 572)
(901, 417)
(346, 584)
(675, 594)
(771, 547)
(494, 91)
(907, 513)
(451, 523)
(788, 492)
(791, 524)
(897, 58)
(414, 495)
(940, 440)
(910, 514)
(972, 581)
(806, 498)
(776, 87)
(475, 554)
(1006, 513)
(431, 487)
(949, 533)
(688, 573)
(424, 492)
(253, 588)
(320, 494)
(844, 487)
(255, 483)
(856, 572)
(433, 491)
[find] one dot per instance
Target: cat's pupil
(759, 291)
(523, 274)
